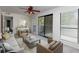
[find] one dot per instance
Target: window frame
(72, 27)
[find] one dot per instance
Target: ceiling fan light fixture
(31, 12)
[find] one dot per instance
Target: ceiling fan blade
(36, 10)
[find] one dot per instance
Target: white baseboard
(74, 45)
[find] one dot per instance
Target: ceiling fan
(30, 10)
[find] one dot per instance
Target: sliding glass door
(48, 26)
(41, 26)
(45, 25)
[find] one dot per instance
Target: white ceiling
(17, 9)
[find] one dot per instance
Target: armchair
(56, 48)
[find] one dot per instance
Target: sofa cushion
(45, 44)
(8, 46)
(12, 41)
(54, 45)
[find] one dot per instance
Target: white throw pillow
(7, 46)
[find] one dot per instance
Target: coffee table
(31, 42)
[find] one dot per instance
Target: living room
(44, 29)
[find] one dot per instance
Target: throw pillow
(6, 35)
(54, 46)
(52, 43)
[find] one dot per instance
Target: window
(69, 26)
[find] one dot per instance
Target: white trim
(71, 39)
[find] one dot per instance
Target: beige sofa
(11, 44)
(57, 47)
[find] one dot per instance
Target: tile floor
(68, 49)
